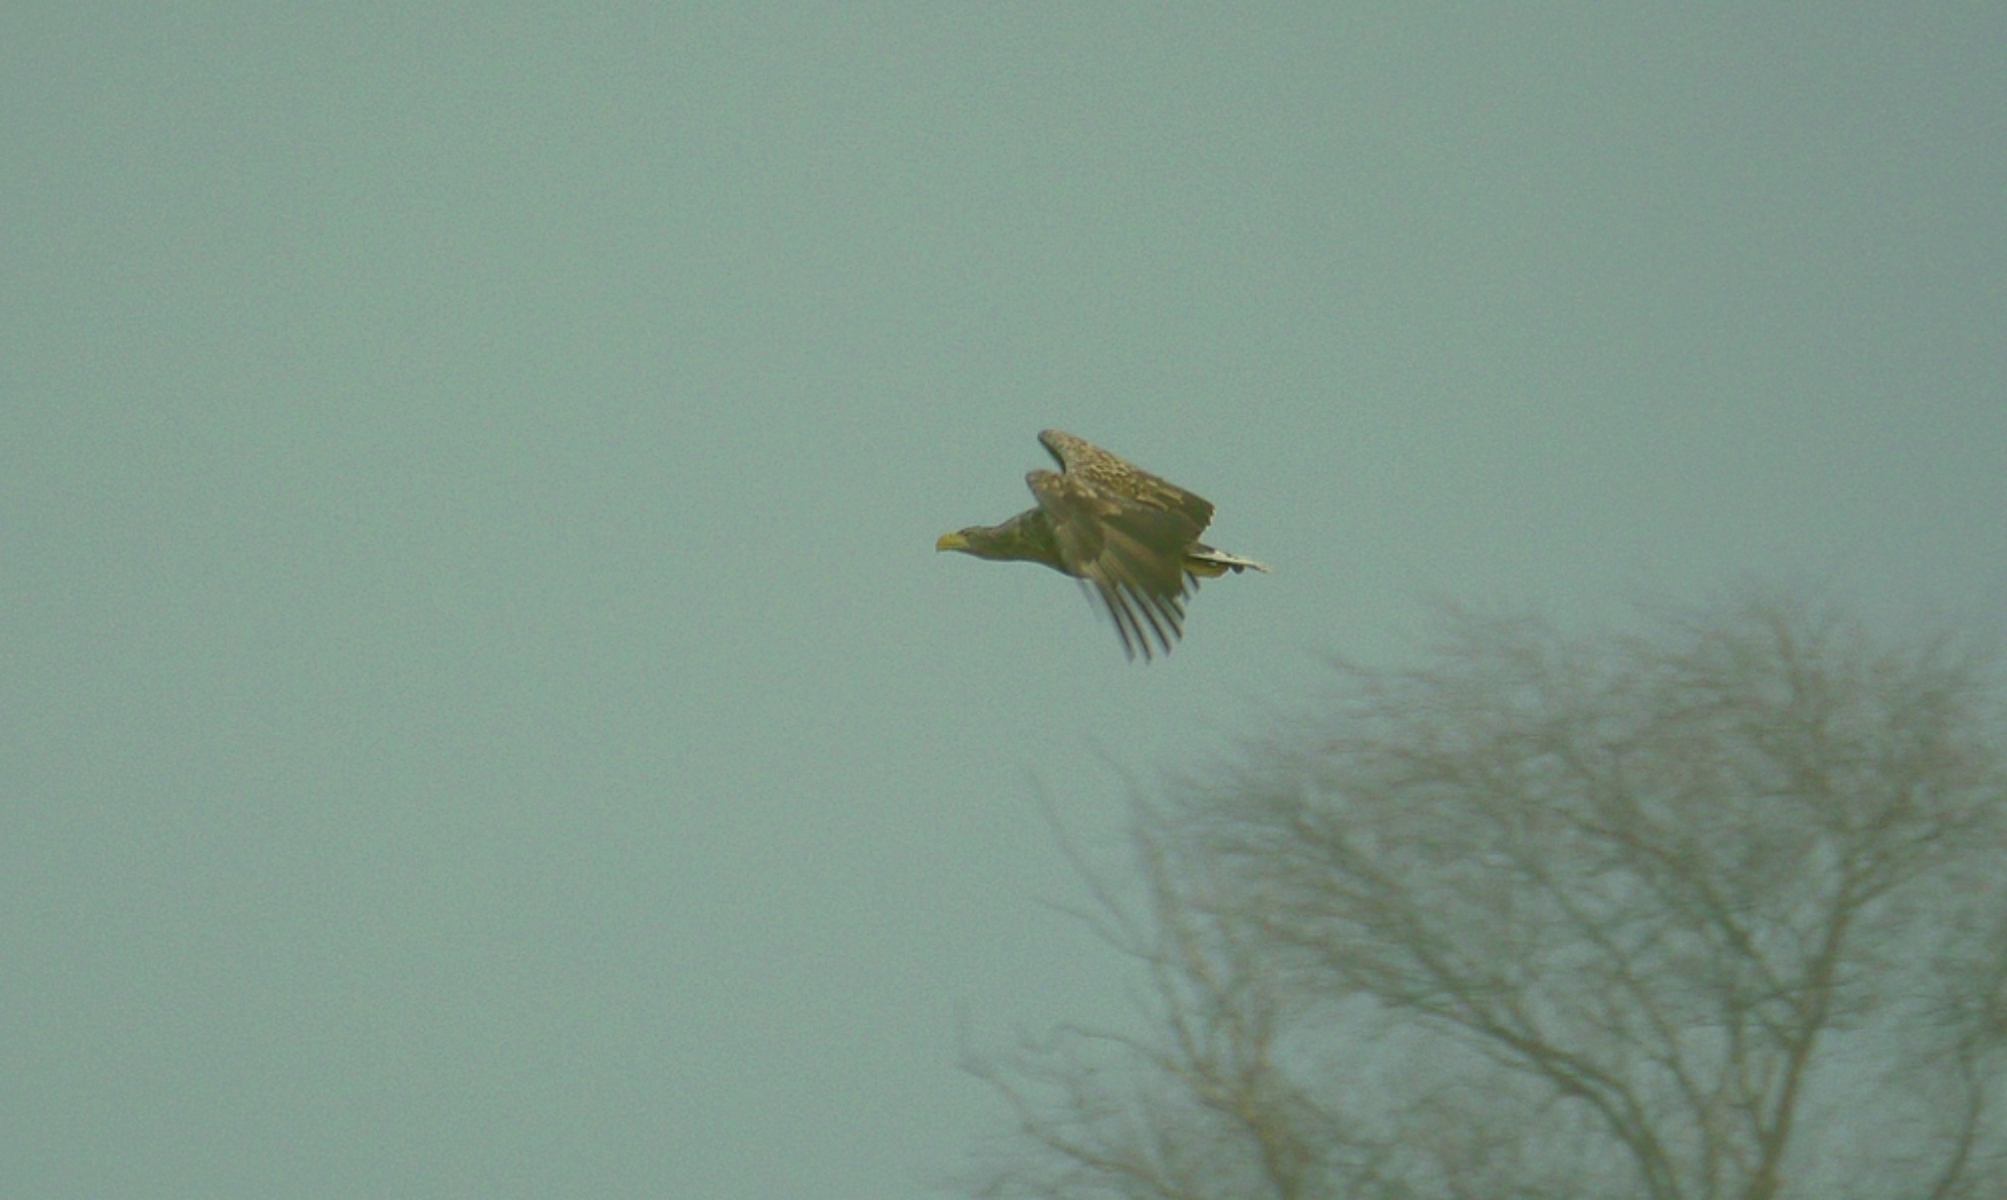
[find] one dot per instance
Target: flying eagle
(1135, 537)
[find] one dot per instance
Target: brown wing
(1084, 460)
(1133, 554)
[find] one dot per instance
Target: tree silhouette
(1715, 911)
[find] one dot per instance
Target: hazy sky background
(483, 715)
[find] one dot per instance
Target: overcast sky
(483, 715)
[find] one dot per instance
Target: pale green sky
(483, 713)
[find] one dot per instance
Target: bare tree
(1718, 911)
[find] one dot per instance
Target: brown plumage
(1131, 535)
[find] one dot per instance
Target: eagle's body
(1131, 535)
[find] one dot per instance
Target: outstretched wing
(1132, 553)
(1082, 459)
